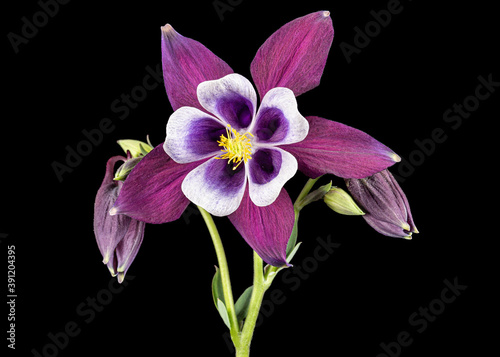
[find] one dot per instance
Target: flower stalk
(224, 271)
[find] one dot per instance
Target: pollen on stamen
(236, 147)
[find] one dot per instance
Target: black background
(397, 89)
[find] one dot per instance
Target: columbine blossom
(232, 159)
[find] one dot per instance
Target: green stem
(259, 288)
(224, 273)
(305, 191)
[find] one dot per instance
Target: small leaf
(242, 304)
(292, 253)
(293, 237)
(223, 312)
(217, 291)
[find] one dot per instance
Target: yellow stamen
(237, 148)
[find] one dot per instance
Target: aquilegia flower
(242, 144)
(232, 159)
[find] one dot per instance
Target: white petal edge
(265, 194)
(284, 99)
(210, 92)
(177, 141)
(208, 196)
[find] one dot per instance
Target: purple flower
(385, 204)
(231, 158)
(118, 237)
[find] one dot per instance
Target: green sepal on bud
(135, 147)
(341, 202)
(123, 171)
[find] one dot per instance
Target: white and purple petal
(268, 171)
(278, 120)
(215, 186)
(338, 149)
(266, 229)
(231, 98)
(192, 135)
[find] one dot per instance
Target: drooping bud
(385, 204)
(341, 202)
(118, 237)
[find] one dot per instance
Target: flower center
(237, 148)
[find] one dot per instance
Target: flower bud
(135, 147)
(385, 204)
(118, 237)
(341, 202)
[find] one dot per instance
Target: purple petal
(192, 135)
(215, 186)
(266, 229)
(187, 63)
(152, 191)
(278, 120)
(335, 148)
(127, 249)
(295, 55)
(109, 230)
(268, 171)
(231, 98)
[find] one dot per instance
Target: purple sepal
(338, 149)
(152, 191)
(266, 229)
(295, 55)
(186, 63)
(385, 204)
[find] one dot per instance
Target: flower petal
(152, 191)
(108, 230)
(268, 170)
(192, 135)
(266, 229)
(215, 186)
(187, 63)
(295, 55)
(127, 249)
(278, 120)
(335, 148)
(231, 98)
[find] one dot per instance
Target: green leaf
(243, 303)
(292, 253)
(223, 312)
(217, 291)
(293, 237)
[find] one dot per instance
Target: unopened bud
(341, 202)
